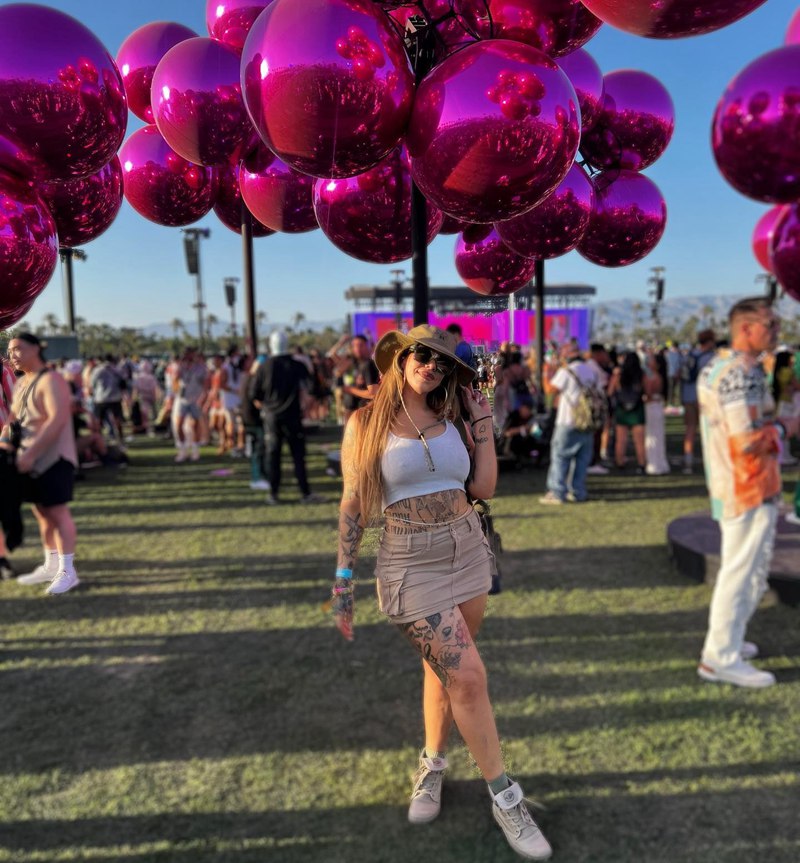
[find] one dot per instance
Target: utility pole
(191, 245)
(67, 256)
(230, 284)
(657, 281)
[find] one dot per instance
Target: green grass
(191, 703)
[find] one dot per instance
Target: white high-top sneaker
(521, 831)
(426, 798)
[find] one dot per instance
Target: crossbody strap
(23, 410)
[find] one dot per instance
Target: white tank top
(405, 469)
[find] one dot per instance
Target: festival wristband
(481, 419)
(344, 573)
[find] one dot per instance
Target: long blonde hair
(375, 421)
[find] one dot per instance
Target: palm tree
(637, 309)
(51, 323)
(297, 319)
(261, 318)
(177, 326)
(211, 321)
(707, 313)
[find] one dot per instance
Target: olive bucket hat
(441, 341)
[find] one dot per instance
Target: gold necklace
(421, 435)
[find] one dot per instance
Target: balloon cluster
(756, 142)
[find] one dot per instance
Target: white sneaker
(791, 518)
(521, 831)
(749, 650)
(597, 470)
(195, 454)
(551, 499)
(426, 798)
(40, 575)
(63, 583)
(741, 673)
(260, 485)
(180, 457)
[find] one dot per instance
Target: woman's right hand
(343, 606)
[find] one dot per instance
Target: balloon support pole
(251, 334)
(419, 254)
(67, 255)
(538, 283)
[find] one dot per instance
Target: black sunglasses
(424, 355)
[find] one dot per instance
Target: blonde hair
(375, 421)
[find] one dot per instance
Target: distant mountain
(164, 330)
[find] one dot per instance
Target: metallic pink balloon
(84, 209)
(556, 27)
(756, 129)
(793, 30)
(13, 314)
(495, 129)
(671, 19)
(555, 226)
(763, 234)
(230, 21)
(228, 205)
(635, 123)
(163, 186)
(487, 266)
(327, 84)
(369, 216)
(62, 104)
(138, 57)
(587, 79)
(28, 244)
(785, 251)
(197, 102)
(277, 195)
(627, 221)
(453, 226)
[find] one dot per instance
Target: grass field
(191, 703)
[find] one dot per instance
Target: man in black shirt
(359, 383)
(277, 387)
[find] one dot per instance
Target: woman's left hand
(476, 403)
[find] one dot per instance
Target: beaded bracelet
(339, 591)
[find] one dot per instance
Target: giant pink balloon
(84, 209)
(369, 216)
(228, 206)
(28, 244)
(554, 26)
(671, 19)
(197, 102)
(277, 195)
(327, 84)
(635, 123)
(756, 129)
(230, 21)
(487, 266)
(793, 30)
(627, 221)
(785, 251)
(163, 186)
(495, 129)
(555, 226)
(62, 104)
(138, 57)
(763, 234)
(453, 226)
(587, 79)
(10, 315)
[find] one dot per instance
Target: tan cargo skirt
(420, 574)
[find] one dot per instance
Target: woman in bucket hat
(403, 458)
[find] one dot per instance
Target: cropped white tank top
(405, 469)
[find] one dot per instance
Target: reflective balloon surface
(635, 123)
(453, 226)
(671, 19)
(230, 21)
(13, 314)
(487, 266)
(83, 209)
(63, 111)
(756, 130)
(369, 216)
(495, 129)
(555, 226)
(138, 57)
(793, 30)
(28, 244)
(228, 206)
(785, 251)
(328, 84)
(763, 234)
(161, 185)
(554, 26)
(587, 79)
(197, 102)
(277, 195)
(627, 221)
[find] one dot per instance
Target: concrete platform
(694, 542)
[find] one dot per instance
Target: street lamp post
(67, 256)
(770, 285)
(230, 298)
(191, 245)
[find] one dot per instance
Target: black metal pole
(419, 254)
(538, 282)
(69, 288)
(251, 335)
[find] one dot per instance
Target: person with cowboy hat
(405, 456)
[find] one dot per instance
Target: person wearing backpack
(573, 438)
(694, 362)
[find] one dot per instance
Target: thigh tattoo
(441, 640)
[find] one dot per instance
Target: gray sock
(427, 753)
(500, 784)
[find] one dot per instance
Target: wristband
(781, 429)
(339, 591)
(481, 419)
(344, 573)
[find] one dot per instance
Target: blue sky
(135, 273)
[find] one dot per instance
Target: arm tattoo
(350, 532)
(441, 640)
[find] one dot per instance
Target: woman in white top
(403, 457)
(655, 391)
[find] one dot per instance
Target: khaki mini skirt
(420, 574)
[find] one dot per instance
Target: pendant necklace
(421, 435)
